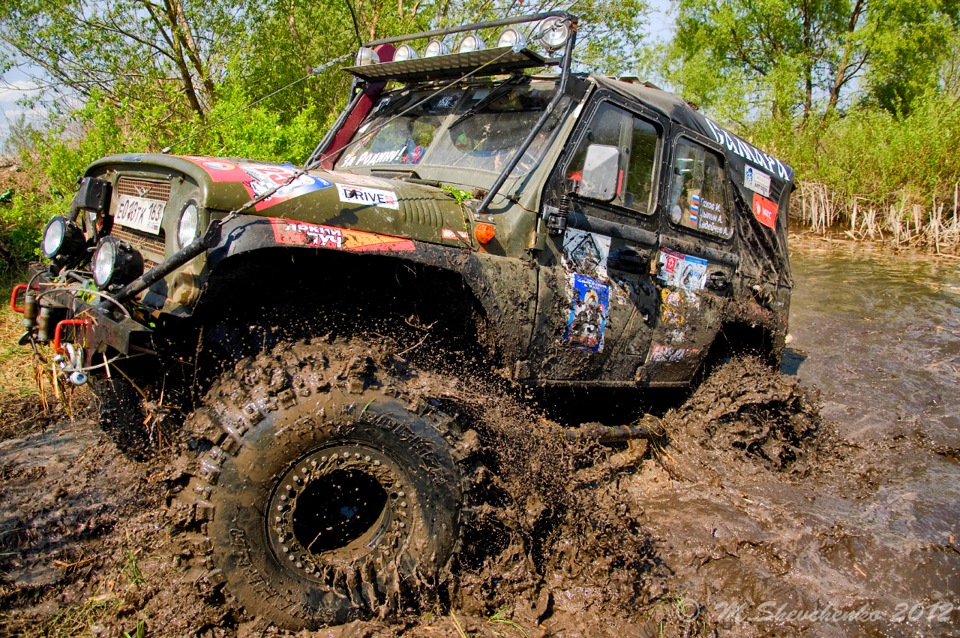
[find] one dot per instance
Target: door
(597, 303)
(694, 264)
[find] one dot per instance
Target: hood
(331, 198)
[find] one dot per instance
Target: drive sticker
(682, 271)
(294, 233)
(586, 252)
(589, 313)
(669, 354)
(368, 196)
(756, 180)
(694, 208)
(258, 179)
(765, 211)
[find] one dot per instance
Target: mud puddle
(770, 509)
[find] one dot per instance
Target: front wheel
(328, 499)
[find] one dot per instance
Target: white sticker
(367, 196)
(756, 180)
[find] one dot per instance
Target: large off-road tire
(328, 497)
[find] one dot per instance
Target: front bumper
(107, 329)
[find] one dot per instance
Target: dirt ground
(755, 516)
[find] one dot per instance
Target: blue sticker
(591, 298)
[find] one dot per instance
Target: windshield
(477, 128)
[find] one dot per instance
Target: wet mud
(822, 500)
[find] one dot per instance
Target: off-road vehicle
(487, 207)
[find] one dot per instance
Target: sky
(16, 83)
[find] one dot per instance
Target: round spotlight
(189, 225)
(512, 38)
(435, 48)
(367, 56)
(553, 32)
(62, 238)
(115, 263)
(471, 43)
(405, 52)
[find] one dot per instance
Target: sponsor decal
(456, 235)
(756, 180)
(588, 316)
(586, 252)
(258, 179)
(748, 152)
(669, 354)
(294, 233)
(368, 196)
(682, 271)
(765, 211)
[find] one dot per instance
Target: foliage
(797, 58)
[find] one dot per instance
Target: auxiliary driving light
(367, 56)
(553, 32)
(189, 225)
(115, 263)
(471, 43)
(62, 239)
(435, 48)
(511, 38)
(405, 52)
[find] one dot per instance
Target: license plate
(139, 213)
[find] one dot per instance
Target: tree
(795, 56)
(123, 48)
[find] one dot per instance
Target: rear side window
(639, 144)
(698, 191)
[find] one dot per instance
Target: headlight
(189, 224)
(115, 263)
(63, 239)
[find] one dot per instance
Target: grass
(902, 221)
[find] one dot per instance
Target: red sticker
(765, 211)
(294, 233)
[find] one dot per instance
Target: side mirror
(601, 170)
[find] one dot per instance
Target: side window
(697, 192)
(639, 145)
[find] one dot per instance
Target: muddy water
(865, 540)
(881, 338)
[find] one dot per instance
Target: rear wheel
(327, 498)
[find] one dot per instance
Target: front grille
(152, 247)
(146, 188)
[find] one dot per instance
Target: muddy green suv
(304, 332)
